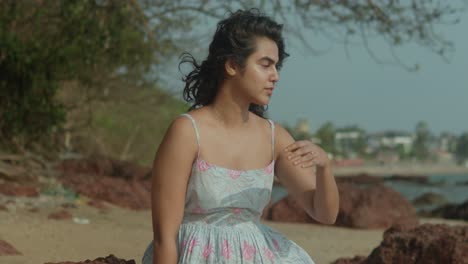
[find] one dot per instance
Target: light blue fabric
(221, 222)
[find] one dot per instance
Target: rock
(452, 211)
(288, 210)
(428, 244)
(430, 199)
(13, 189)
(376, 206)
(111, 259)
(60, 215)
(97, 204)
(7, 250)
(105, 166)
(361, 179)
(354, 260)
(33, 210)
(418, 179)
(118, 182)
(3, 208)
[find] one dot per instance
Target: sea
(454, 188)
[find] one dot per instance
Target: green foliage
(326, 134)
(44, 43)
(27, 90)
(421, 142)
(133, 131)
(461, 151)
(352, 146)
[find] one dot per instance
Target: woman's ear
(230, 67)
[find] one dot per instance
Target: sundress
(221, 222)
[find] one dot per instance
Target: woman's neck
(231, 110)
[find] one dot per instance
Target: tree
(354, 143)
(461, 151)
(107, 45)
(421, 141)
(348, 22)
(100, 45)
(326, 135)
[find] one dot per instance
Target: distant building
(390, 140)
(348, 141)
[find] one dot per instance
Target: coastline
(401, 169)
(126, 233)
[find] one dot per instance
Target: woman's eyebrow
(266, 58)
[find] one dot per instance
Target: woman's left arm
(306, 172)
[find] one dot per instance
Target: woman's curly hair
(234, 39)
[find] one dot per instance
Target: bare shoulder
(282, 139)
(180, 136)
(182, 128)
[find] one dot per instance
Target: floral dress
(221, 222)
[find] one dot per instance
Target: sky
(356, 90)
(376, 97)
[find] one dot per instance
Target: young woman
(213, 172)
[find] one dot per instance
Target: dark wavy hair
(234, 39)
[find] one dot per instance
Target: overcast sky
(356, 90)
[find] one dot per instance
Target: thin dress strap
(196, 131)
(272, 137)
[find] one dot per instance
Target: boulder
(7, 250)
(375, 206)
(111, 259)
(452, 211)
(60, 215)
(429, 199)
(428, 244)
(103, 179)
(363, 178)
(418, 179)
(14, 189)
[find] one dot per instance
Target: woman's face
(257, 80)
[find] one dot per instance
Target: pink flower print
(237, 210)
(248, 251)
(192, 243)
(276, 244)
(268, 253)
(203, 165)
(269, 168)
(234, 174)
(226, 251)
(198, 210)
(207, 251)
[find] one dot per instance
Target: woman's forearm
(326, 197)
(165, 253)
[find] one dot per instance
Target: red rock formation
(374, 207)
(13, 189)
(428, 244)
(361, 179)
(7, 250)
(354, 260)
(118, 182)
(111, 259)
(60, 215)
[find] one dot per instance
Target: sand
(126, 233)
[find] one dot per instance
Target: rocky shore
(98, 209)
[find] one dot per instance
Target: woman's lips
(269, 90)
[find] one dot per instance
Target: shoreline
(126, 233)
(401, 169)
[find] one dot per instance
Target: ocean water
(454, 188)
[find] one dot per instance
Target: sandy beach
(126, 233)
